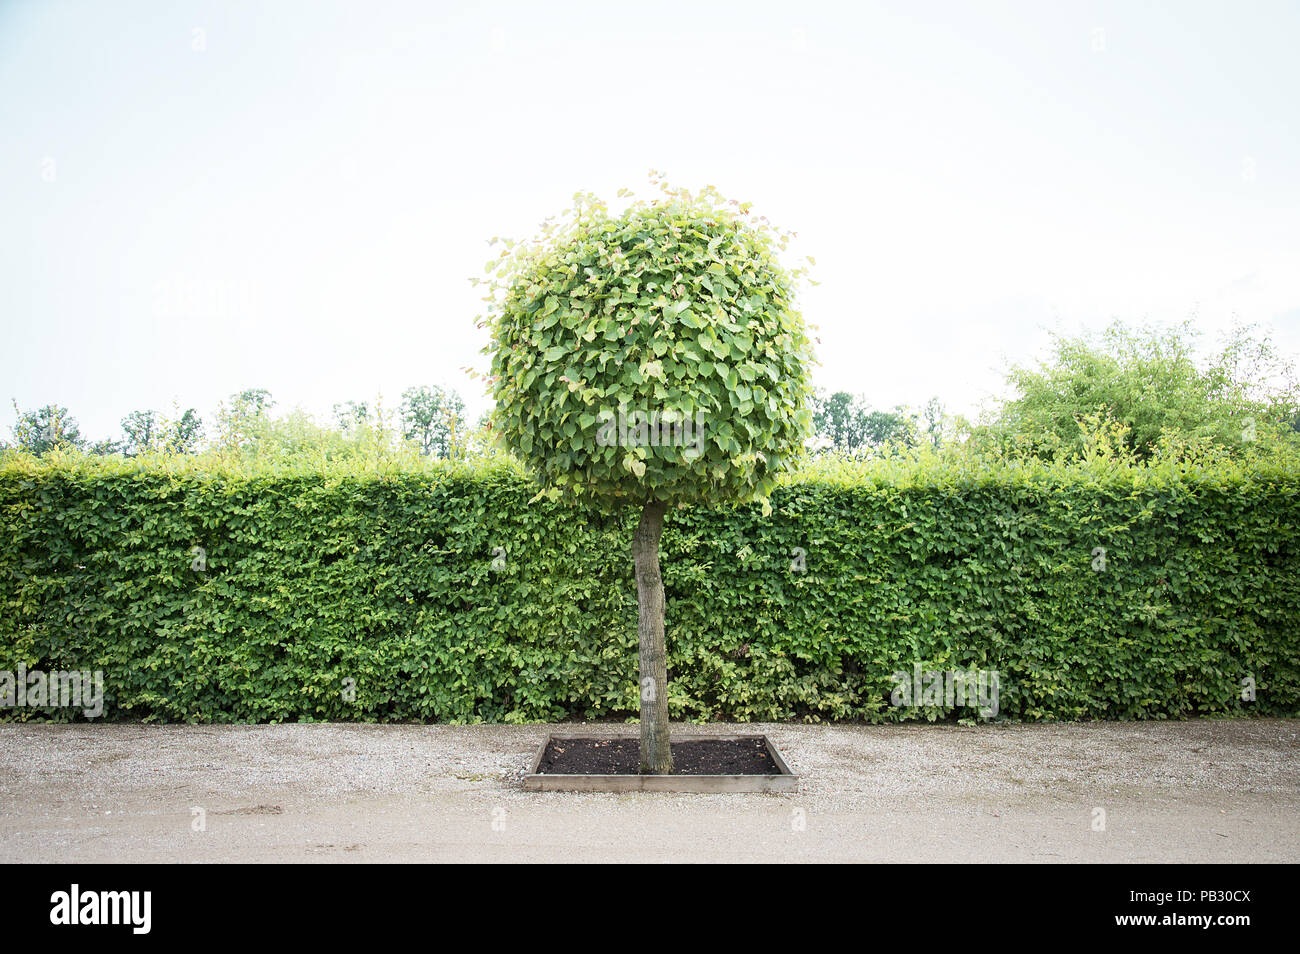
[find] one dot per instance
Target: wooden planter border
(784, 782)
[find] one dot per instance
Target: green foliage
(351, 415)
(45, 430)
(241, 419)
(150, 432)
(444, 595)
(848, 424)
(249, 434)
(673, 318)
(434, 418)
(1150, 383)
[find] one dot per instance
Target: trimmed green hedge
(445, 593)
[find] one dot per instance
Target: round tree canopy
(651, 355)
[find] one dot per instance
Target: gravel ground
(1208, 790)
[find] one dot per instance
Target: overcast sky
(201, 197)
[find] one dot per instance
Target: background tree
(186, 432)
(837, 418)
(896, 427)
(351, 415)
(849, 425)
(433, 417)
(242, 416)
(650, 358)
(1150, 383)
(141, 429)
(41, 431)
(935, 421)
(149, 431)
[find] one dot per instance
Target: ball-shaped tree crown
(652, 354)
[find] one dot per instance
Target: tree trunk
(656, 756)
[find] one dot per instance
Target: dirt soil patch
(623, 757)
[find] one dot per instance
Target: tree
(150, 431)
(836, 419)
(242, 417)
(105, 448)
(433, 417)
(41, 431)
(186, 432)
(934, 421)
(849, 425)
(652, 358)
(881, 428)
(351, 415)
(1149, 382)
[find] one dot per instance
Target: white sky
(200, 197)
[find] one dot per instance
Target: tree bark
(656, 756)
